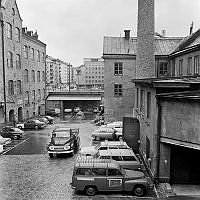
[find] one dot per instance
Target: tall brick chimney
(145, 59)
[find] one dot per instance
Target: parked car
(92, 175)
(4, 141)
(67, 110)
(125, 157)
(105, 145)
(105, 133)
(50, 119)
(53, 112)
(31, 124)
(77, 109)
(11, 132)
(63, 140)
(42, 119)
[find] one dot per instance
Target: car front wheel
(90, 190)
(139, 190)
(15, 137)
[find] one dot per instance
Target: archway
(20, 114)
(11, 116)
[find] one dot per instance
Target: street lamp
(3, 62)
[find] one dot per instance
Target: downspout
(158, 140)
(3, 62)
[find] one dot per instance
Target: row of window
(9, 32)
(39, 96)
(94, 72)
(94, 81)
(10, 60)
(192, 66)
(140, 102)
(26, 76)
(94, 77)
(32, 54)
(94, 68)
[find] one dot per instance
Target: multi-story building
(33, 64)
(91, 74)
(59, 74)
(119, 55)
(167, 107)
(16, 67)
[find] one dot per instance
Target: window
(32, 54)
(189, 66)
(33, 76)
(44, 93)
(9, 60)
(142, 101)
(18, 61)
(33, 96)
(19, 87)
(196, 65)
(114, 172)
(118, 90)
(117, 158)
(147, 147)
(39, 95)
(163, 68)
(38, 56)
(17, 34)
(149, 105)
(118, 70)
(9, 30)
(99, 171)
(137, 98)
(84, 171)
(43, 57)
(25, 51)
(26, 100)
(128, 158)
(38, 76)
(180, 67)
(26, 75)
(10, 87)
(43, 76)
(13, 11)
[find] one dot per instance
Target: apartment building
(16, 65)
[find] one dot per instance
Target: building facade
(91, 74)
(167, 107)
(120, 62)
(33, 64)
(15, 69)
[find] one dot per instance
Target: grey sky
(74, 29)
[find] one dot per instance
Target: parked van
(125, 157)
(92, 175)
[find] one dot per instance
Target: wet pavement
(27, 172)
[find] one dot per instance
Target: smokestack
(145, 58)
(164, 33)
(127, 34)
(191, 28)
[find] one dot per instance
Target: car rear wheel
(90, 190)
(20, 127)
(139, 190)
(15, 137)
(36, 127)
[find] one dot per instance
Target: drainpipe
(158, 141)
(3, 59)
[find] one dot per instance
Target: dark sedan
(11, 132)
(31, 124)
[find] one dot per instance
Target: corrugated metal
(65, 98)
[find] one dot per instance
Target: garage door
(185, 165)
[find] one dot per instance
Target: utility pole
(3, 62)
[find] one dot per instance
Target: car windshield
(61, 134)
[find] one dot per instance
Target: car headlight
(66, 147)
(51, 147)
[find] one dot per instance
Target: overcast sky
(74, 29)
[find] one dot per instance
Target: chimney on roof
(164, 33)
(30, 33)
(127, 34)
(191, 28)
(24, 30)
(35, 35)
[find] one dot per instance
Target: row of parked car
(14, 132)
(109, 164)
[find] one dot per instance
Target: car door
(100, 178)
(114, 180)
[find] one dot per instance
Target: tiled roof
(120, 46)
(195, 42)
